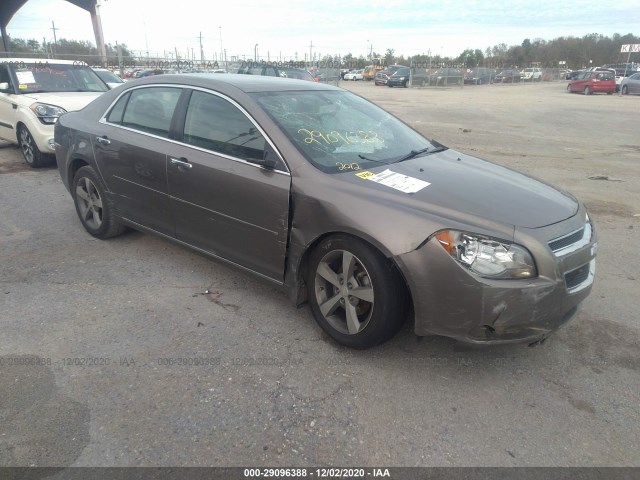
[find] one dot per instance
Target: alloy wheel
(344, 292)
(89, 203)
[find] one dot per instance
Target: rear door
(224, 203)
(132, 154)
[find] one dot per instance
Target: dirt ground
(275, 390)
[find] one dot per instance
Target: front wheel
(587, 90)
(356, 295)
(625, 90)
(96, 211)
(30, 151)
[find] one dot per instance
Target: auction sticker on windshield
(395, 180)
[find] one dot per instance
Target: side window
(150, 109)
(116, 113)
(217, 125)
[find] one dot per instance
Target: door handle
(181, 163)
(103, 140)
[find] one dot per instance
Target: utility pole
(55, 40)
(201, 52)
(221, 49)
(310, 50)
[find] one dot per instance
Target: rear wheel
(95, 210)
(587, 90)
(356, 295)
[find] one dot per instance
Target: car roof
(243, 82)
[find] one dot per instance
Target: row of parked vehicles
(625, 76)
(401, 75)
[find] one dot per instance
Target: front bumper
(451, 301)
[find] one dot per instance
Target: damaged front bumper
(450, 300)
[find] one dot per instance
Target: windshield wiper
(412, 154)
(415, 153)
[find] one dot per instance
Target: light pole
(255, 53)
(221, 49)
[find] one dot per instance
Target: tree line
(578, 52)
(79, 50)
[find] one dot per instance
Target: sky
(289, 30)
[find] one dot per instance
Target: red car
(590, 82)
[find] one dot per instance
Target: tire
(405, 84)
(30, 151)
(95, 210)
(372, 317)
(587, 90)
(569, 88)
(625, 90)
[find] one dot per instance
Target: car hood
(70, 101)
(475, 187)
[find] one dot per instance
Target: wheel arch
(75, 165)
(297, 285)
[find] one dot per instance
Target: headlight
(46, 113)
(488, 257)
(401, 79)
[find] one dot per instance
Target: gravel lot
(274, 390)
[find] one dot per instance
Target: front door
(222, 202)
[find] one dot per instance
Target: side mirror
(268, 160)
(4, 87)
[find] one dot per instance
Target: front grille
(577, 276)
(563, 242)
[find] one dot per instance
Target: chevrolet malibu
(323, 193)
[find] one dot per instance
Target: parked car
(508, 75)
(593, 81)
(34, 93)
(149, 72)
(446, 76)
(531, 74)
(573, 74)
(479, 76)
(111, 79)
(382, 76)
(631, 84)
(367, 225)
(400, 77)
(270, 70)
(354, 75)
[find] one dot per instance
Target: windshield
(338, 131)
(51, 77)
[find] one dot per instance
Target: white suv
(531, 74)
(34, 93)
